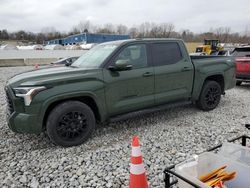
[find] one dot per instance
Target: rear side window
(166, 53)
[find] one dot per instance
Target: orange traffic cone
(137, 171)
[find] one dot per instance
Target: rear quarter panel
(211, 66)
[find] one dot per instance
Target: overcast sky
(195, 15)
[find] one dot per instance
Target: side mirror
(121, 65)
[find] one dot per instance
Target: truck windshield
(95, 56)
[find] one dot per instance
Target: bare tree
(84, 26)
(50, 32)
(133, 32)
(222, 33)
(142, 30)
(167, 29)
(155, 30)
(226, 34)
(146, 29)
(74, 31)
(121, 29)
(4, 34)
(47, 30)
(187, 36)
(110, 27)
(107, 28)
(151, 29)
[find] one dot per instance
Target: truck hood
(52, 76)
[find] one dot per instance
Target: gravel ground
(103, 161)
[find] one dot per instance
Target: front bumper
(23, 123)
(17, 119)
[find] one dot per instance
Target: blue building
(87, 38)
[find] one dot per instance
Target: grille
(10, 107)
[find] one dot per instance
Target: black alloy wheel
(70, 123)
(210, 95)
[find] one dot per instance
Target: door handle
(185, 69)
(147, 74)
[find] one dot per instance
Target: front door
(133, 89)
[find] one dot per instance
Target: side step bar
(147, 111)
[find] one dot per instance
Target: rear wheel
(210, 96)
(238, 83)
(70, 123)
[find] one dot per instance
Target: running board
(147, 111)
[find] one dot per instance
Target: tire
(210, 96)
(238, 83)
(70, 123)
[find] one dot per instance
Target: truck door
(173, 72)
(130, 89)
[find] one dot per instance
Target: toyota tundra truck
(113, 81)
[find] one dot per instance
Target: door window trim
(165, 42)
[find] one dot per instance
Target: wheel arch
(88, 100)
(219, 78)
(200, 81)
(210, 99)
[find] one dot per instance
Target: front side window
(136, 55)
(166, 53)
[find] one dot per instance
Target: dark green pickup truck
(110, 81)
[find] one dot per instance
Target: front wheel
(70, 123)
(210, 96)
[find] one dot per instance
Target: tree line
(143, 30)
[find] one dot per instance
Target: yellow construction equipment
(210, 47)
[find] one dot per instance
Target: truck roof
(118, 42)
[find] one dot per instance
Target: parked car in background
(65, 61)
(242, 60)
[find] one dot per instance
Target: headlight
(27, 93)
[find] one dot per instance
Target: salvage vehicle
(242, 60)
(111, 82)
(65, 61)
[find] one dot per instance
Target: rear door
(130, 90)
(173, 72)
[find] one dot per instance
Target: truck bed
(214, 65)
(209, 60)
